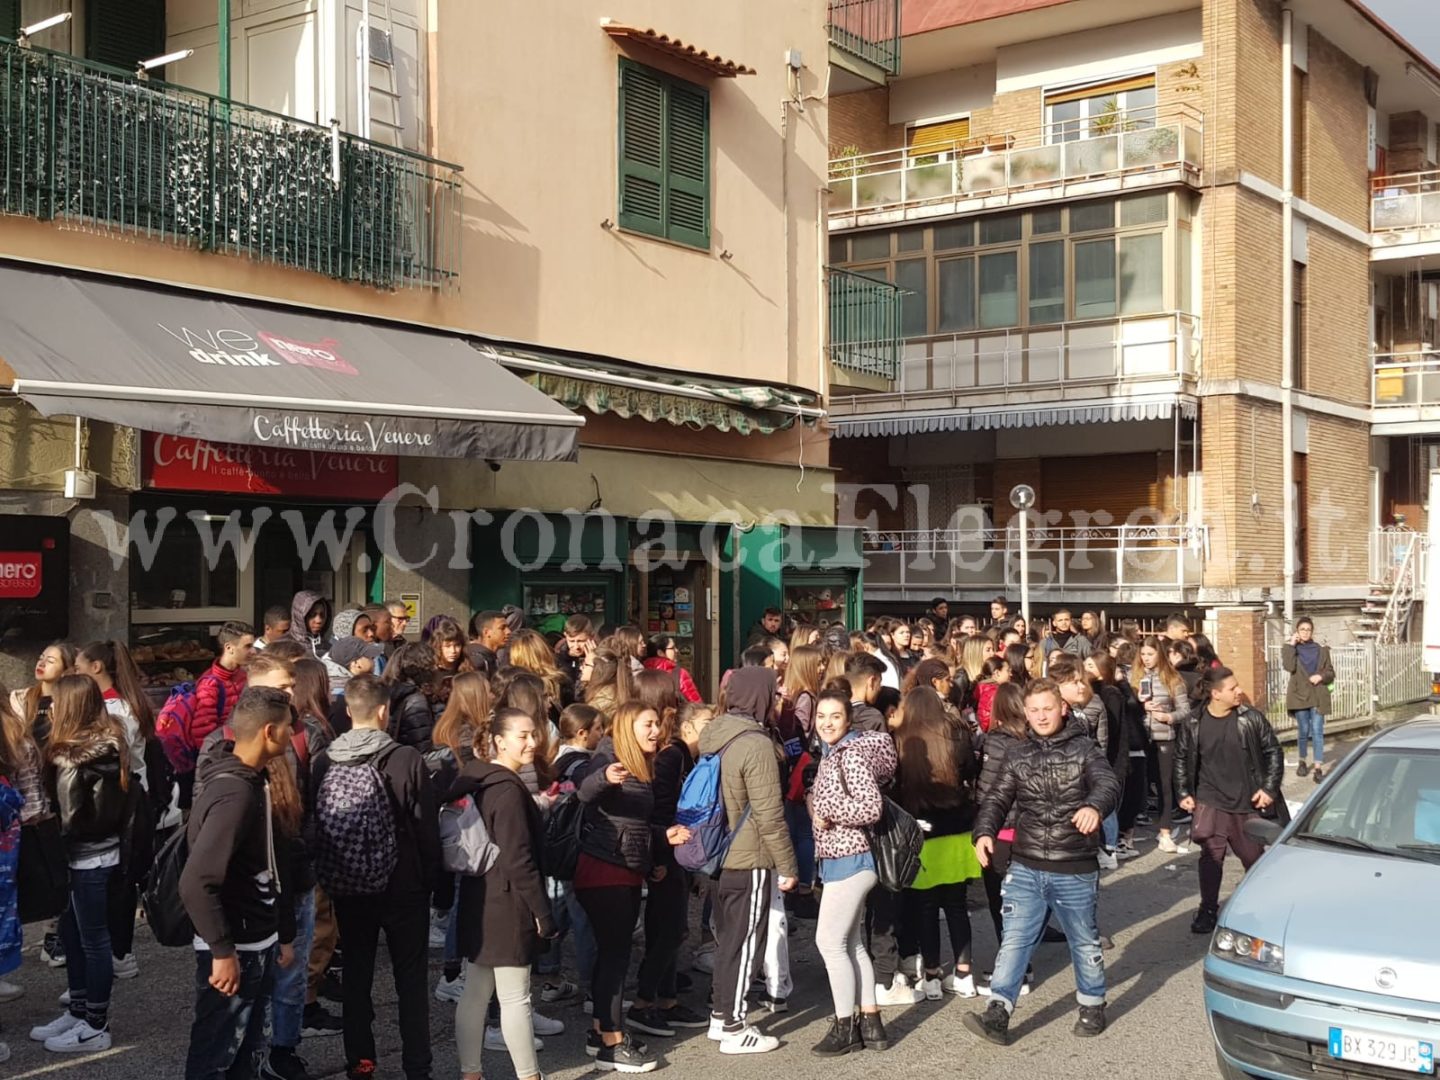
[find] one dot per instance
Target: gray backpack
(465, 844)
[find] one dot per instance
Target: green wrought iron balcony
(868, 30)
(88, 143)
(864, 324)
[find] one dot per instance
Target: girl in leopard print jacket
(868, 762)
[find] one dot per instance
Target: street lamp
(1022, 497)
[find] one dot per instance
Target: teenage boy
(570, 653)
(276, 627)
(1228, 768)
(1064, 638)
(402, 908)
(231, 890)
(864, 671)
(999, 611)
(1061, 788)
(216, 694)
(760, 851)
(489, 633)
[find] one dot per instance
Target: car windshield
(1387, 802)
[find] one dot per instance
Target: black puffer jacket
(1045, 781)
(998, 747)
(618, 826)
(412, 718)
(1264, 758)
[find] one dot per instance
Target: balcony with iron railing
(864, 324)
(1404, 211)
(868, 30)
(1121, 151)
(85, 143)
(1145, 357)
(1102, 562)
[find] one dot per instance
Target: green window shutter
(687, 145)
(124, 32)
(642, 150)
(9, 18)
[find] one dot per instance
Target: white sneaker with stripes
(748, 1040)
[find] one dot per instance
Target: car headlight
(1247, 949)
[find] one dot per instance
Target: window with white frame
(1096, 109)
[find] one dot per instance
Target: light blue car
(1326, 962)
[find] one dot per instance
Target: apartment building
(505, 295)
(1124, 254)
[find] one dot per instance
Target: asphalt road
(1157, 1020)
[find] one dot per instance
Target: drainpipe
(1287, 304)
(222, 18)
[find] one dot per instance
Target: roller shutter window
(1117, 484)
(1083, 112)
(924, 140)
(9, 18)
(664, 156)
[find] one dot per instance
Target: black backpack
(164, 910)
(563, 830)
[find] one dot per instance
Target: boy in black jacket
(402, 910)
(231, 889)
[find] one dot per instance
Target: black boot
(1204, 921)
(1091, 1020)
(843, 1037)
(992, 1025)
(872, 1032)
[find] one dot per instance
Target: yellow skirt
(947, 860)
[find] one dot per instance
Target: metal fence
(864, 324)
(81, 141)
(869, 29)
(1368, 679)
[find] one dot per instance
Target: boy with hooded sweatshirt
(402, 908)
(310, 622)
(760, 850)
(231, 891)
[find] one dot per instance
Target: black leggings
(923, 908)
(1132, 800)
(994, 877)
(1165, 765)
(612, 911)
(666, 912)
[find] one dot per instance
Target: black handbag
(895, 842)
(42, 877)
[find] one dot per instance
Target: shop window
(1047, 282)
(1098, 109)
(999, 289)
(182, 584)
(911, 275)
(1142, 274)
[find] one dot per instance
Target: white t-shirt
(134, 741)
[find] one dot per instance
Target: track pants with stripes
(742, 916)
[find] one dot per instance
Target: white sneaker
(1108, 860)
(931, 989)
(913, 968)
(717, 1029)
(80, 1039)
(959, 985)
(451, 990)
(127, 967)
(495, 1040)
(563, 990)
(897, 993)
(439, 928)
(544, 1025)
(9, 991)
(748, 1040)
(1126, 851)
(61, 1024)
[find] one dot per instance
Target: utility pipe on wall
(1287, 305)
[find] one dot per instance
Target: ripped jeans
(1026, 895)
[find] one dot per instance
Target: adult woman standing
(1007, 728)
(616, 858)
(935, 783)
(662, 654)
(89, 775)
(845, 799)
(1307, 698)
(504, 913)
(1162, 691)
(657, 1011)
(32, 705)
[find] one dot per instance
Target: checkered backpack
(355, 844)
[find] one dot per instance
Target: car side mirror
(1262, 830)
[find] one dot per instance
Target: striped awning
(1109, 410)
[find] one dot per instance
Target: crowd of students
(311, 772)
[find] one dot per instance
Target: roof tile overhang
(689, 54)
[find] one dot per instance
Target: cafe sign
(178, 463)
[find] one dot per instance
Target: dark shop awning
(230, 371)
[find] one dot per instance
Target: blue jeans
(1026, 896)
(1110, 831)
(802, 838)
(232, 1032)
(287, 1000)
(1310, 724)
(85, 932)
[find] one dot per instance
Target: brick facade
(1408, 144)
(1336, 359)
(1337, 174)
(862, 120)
(1338, 495)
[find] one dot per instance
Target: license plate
(1411, 1055)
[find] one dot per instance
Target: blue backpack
(701, 809)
